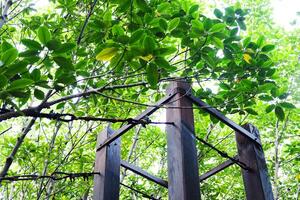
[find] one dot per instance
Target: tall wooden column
(183, 175)
(256, 180)
(107, 184)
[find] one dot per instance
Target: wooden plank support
(107, 184)
(224, 119)
(118, 133)
(217, 169)
(183, 175)
(256, 180)
(144, 174)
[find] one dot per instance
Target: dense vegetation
(70, 70)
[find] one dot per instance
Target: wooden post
(256, 180)
(107, 184)
(183, 175)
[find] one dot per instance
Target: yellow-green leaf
(147, 57)
(247, 58)
(107, 54)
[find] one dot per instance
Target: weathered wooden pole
(256, 179)
(183, 175)
(107, 184)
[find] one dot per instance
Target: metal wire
(224, 154)
(139, 192)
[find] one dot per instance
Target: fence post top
(181, 86)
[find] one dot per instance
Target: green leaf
(29, 53)
(36, 74)
(174, 23)
(270, 108)
(163, 24)
(149, 44)
(63, 62)
(218, 13)
(5, 46)
(43, 34)
(241, 24)
(218, 42)
(16, 68)
(260, 41)
(136, 36)
(197, 24)
(208, 60)
(287, 105)
(279, 113)
(9, 56)
(53, 44)
(142, 4)
(31, 44)
(152, 75)
(20, 84)
(3, 81)
(265, 97)
(163, 63)
(224, 86)
(217, 27)
(251, 111)
(66, 47)
(193, 9)
(268, 48)
(39, 94)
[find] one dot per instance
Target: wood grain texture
(183, 175)
(256, 181)
(107, 184)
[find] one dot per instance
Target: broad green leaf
(149, 44)
(217, 27)
(193, 9)
(136, 36)
(270, 108)
(29, 53)
(260, 41)
(36, 74)
(251, 111)
(107, 54)
(9, 56)
(218, 42)
(20, 83)
(31, 44)
(39, 94)
(279, 113)
(287, 105)
(65, 47)
(53, 44)
(241, 24)
(174, 23)
(218, 13)
(208, 60)
(16, 68)
(268, 48)
(197, 24)
(165, 51)
(163, 63)
(3, 81)
(152, 75)
(142, 4)
(163, 24)
(265, 97)
(5, 46)
(43, 34)
(63, 62)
